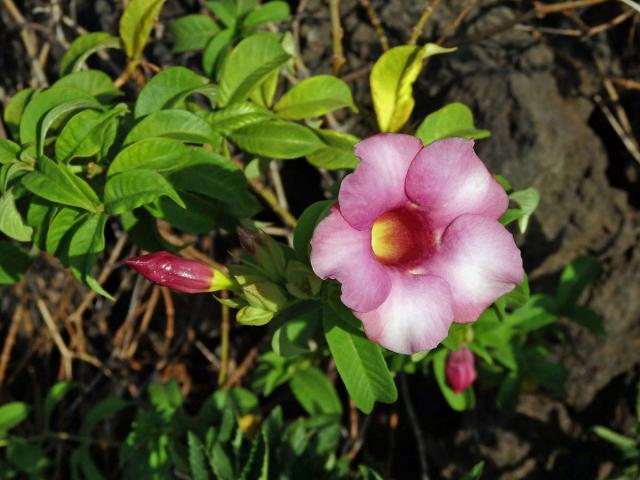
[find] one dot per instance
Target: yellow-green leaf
(136, 23)
(392, 81)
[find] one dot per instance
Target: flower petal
(339, 251)
(448, 180)
(479, 260)
(415, 316)
(377, 185)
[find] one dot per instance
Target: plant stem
(224, 343)
(422, 21)
(337, 33)
(272, 200)
(415, 426)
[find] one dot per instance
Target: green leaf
(628, 446)
(452, 120)
(136, 23)
(158, 154)
(42, 103)
(216, 177)
(9, 151)
(213, 55)
(94, 82)
(103, 410)
(14, 110)
(167, 90)
(88, 133)
(475, 473)
(392, 79)
(143, 230)
(337, 152)
(299, 323)
(38, 213)
(263, 94)
(82, 47)
(27, 457)
(549, 374)
(528, 200)
(11, 415)
(231, 118)
(60, 224)
(200, 215)
(464, 400)
(134, 188)
(574, 279)
(306, 225)
(588, 319)
(276, 11)
(11, 222)
(192, 32)
(251, 62)
(313, 97)
(86, 243)
(509, 391)
(197, 464)
(315, 392)
(178, 124)
(60, 111)
(56, 183)
(165, 397)
(54, 396)
(367, 473)
(359, 361)
(224, 11)
(276, 139)
(519, 295)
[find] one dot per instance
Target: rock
(541, 137)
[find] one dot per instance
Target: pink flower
(460, 370)
(177, 273)
(415, 240)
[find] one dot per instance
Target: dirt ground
(548, 98)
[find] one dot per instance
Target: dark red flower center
(402, 237)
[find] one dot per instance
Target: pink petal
(377, 184)
(339, 251)
(415, 316)
(479, 260)
(448, 180)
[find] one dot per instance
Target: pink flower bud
(460, 369)
(177, 273)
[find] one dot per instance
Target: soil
(541, 96)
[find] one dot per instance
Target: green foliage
(83, 47)
(313, 97)
(452, 120)
(240, 19)
(527, 201)
(276, 139)
(507, 337)
(136, 23)
(337, 151)
(627, 446)
(359, 361)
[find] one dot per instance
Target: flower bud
(180, 274)
(460, 369)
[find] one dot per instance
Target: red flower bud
(177, 273)
(460, 369)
